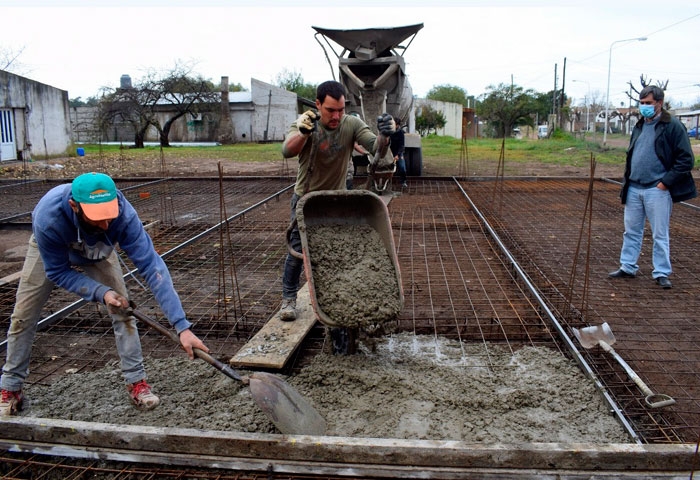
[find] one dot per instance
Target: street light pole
(588, 101)
(607, 95)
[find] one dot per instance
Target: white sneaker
(10, 402)
(288, 310)
(141, 395)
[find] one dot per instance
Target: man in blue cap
(79, 224)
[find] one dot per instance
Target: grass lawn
(561, 149)
(563, 154)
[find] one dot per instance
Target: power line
(647, 35)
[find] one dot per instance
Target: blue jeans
(401, 168)
(641, 204)
(292, 265)
(34, 290)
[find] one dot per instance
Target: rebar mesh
(456, 281)
(656, 331)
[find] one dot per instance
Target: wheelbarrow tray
(338, 207)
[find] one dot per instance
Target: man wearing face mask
(657, 174)
(78, 225)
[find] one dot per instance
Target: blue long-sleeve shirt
(64, 244)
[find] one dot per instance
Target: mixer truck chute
(372, 69)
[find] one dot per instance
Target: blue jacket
(64, 244)
(672, 146)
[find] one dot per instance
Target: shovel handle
(658, 400)
(653, 400)
(219, 365)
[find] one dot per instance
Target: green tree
(294, 82)
(448, 93)
(543, 105)
(428, 119)
(78, 102)
(506, 106)
(236, 87)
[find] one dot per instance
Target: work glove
(386, 124)
(306, 123)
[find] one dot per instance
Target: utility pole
(561, 97)
(554, 92)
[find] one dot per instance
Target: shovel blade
(591, 336)
(289, 411)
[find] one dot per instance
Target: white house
(262, 114)
(34, 119)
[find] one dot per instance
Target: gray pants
(33, 292)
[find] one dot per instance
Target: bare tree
(9, 60)
(175, 93)
(133, 106)
(185, 94)
(644, 82)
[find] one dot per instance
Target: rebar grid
(191, 269)
(39, 467)
(455, 281)
(656, 331)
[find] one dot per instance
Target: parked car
(693, 132)
(542, 131)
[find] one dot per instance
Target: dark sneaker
(11, 402)
(141, 395)
(288, 310)
(664, 282)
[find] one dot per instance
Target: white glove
(306, 123)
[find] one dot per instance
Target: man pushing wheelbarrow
(324, 141)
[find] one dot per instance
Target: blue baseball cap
(97, 195)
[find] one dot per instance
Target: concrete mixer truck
(372, 68)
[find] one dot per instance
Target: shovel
(601, 335)
(284, 406)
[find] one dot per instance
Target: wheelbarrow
(337, 207)
(380, 178)
(602, 335)
(380, 172)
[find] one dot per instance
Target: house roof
(692, 113)
(240, 97)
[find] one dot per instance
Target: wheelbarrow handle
(291, 250)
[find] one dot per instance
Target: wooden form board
(276, 341)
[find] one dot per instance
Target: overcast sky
(81, 46)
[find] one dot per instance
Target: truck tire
(414, 162)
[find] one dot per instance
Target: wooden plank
(10, 278)
(346, 456)
(275, 342)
